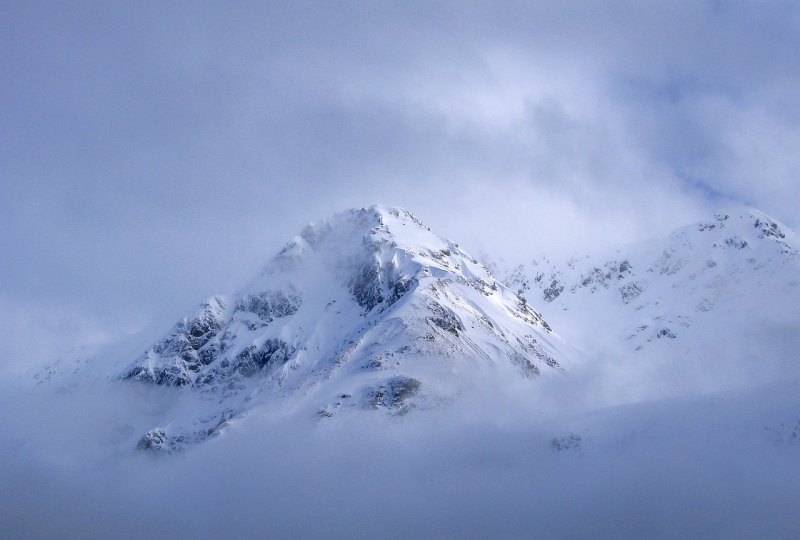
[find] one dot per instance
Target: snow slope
(366, 310)
(714, 306)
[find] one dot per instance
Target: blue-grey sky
(154, 153)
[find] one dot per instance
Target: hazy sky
(151, 155)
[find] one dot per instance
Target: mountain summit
(366, 310)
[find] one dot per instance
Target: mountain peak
(375, 224)
(368, 304)
(739, 217)
(388, 218)
(742, 228)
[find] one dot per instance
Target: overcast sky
(153, 155)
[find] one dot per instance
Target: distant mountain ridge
(712, 290)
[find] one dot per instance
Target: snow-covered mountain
(374, 365)
(366, 310)
(717, 300)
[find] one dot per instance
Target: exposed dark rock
(736, 242)
(519, 282)
(394, 394)
(366, 286)
(487, 288)
(400, 288)
(630, 292)
(140, 373)
(253, 359)
(190, 346)
(597, 277)
(155, 439)
(202, 329)
(374, 285)
(529, 315)
(270, 305)
(174, 375)
(208, 353)
(445, 319)
(327, 412)
(441, 255)
(158, 440)
(553, 291)
(666, 333)
(769, 228)
(528, 368)
(572, 441)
